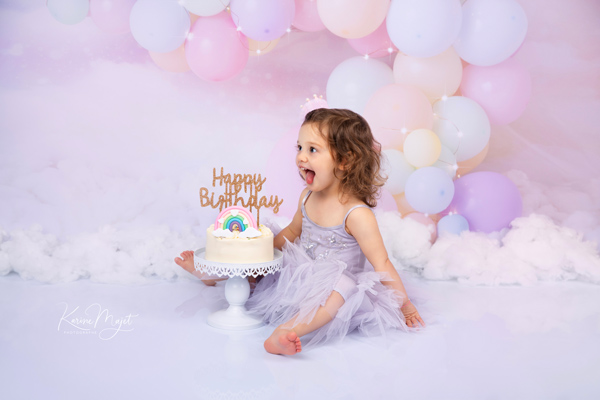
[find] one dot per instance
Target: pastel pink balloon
(427, 221)
(376, 44)
(173, 61)
(111, 16)
(307, 16)
(503, 90)
(216, 51)
(394, 111)
(386, 202)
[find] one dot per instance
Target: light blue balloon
(69, 12)
(424, 28)
(452, 224)
(354, 81)
(429, 190)
(158, 25)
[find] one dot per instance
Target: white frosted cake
(238, 249)
(236, 238)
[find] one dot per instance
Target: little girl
(337, 277)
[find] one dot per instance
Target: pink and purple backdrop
(95, 137)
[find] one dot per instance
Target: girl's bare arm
(361, 224)
(294, 229)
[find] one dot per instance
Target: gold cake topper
(234, 183)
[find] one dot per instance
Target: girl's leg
(286, 338)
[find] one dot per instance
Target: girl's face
(314, 160)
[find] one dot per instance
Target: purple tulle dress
(325, 259)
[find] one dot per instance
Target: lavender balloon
(263, 20)
(488, 200)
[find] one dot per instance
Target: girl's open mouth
(310, 175)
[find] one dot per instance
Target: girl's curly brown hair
(354, 150)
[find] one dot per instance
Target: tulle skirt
(303, 285)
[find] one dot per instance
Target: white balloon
(205, 8)
(158, 25)
(492, 30)
(69, 12)
(397, 170)
(354, 81)
(423, 28)
(462, 125)
(447, 162)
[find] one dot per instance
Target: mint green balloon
(69, 12)
(462, 125)
(397, 170)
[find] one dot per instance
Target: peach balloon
(467, 166)
(395, 110)
(403, 207)
(193, 17)
(352, 19)
(173, 61)
(436, 76)
(258, 48)
(427, 221)
(376, 44)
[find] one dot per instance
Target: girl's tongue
(310, 175)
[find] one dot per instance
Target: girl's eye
(313, 150)
(299, 148)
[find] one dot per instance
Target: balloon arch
(453, 76)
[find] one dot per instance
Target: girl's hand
(411, 315)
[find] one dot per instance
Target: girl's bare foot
(283, 341)
(186, 261)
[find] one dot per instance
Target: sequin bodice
(322, 243)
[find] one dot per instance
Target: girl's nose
(301, 156)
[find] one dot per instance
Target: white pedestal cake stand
(237, 289)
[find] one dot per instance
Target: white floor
(539, 342)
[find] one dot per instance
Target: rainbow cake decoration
(235, 218)
(236, 237)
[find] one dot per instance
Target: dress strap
(306, 197)
(352, 209)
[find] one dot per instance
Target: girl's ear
(344, 163)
